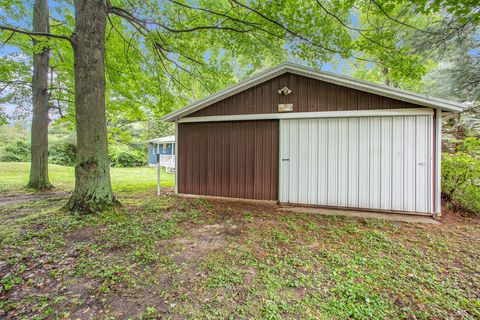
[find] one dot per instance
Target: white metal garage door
(362, 162)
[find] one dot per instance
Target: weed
(9, 281)
(248, 217)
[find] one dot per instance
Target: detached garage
(299, 136)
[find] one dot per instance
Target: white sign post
(158, 174)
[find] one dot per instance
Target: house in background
(299, 136)
(165, 148)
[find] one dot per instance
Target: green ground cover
(166, 257)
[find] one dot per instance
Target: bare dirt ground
(16, 199)
(174, 258)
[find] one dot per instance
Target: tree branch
(61, 89)
(127, 15)
(398, 21)
(58, 107)
(16, 82)
(360, 31)
(33, 34)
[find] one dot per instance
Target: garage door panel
(312, 159)
(375, 163)
(229, 159)
(409, 161)
(397, 163)
(303, 152)
(343, 155)
(285, 169)
(353, 173)
(293, 185)
(332, 152)
(365, 162)
(322, 151)
(422, 160)
(386, 171)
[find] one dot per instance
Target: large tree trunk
(39, 134)
(93, 189)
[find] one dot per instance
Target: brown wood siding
(229, 159)
(308, 95)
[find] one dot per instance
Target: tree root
(37, 185)
(90, 204)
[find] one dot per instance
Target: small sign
(285, 107)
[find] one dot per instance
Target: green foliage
(63, 153)
(128, 158)
(16, 131)
(464, 10)
(8, 282)
(386, 61)
(3, 116)
(15, 79)
(60, 152)
(461, 176)
(18, 151)
(219, 273)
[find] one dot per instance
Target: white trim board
(438, 164)
(311, 115)
(378, 89)
(176, 157)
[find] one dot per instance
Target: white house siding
(380, 163)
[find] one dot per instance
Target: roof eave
(357, 84)
(222, 94)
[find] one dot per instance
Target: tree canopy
(185, 50)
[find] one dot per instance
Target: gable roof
(362, 85)
(166, 139)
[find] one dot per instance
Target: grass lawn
(14, 176)
(170, 257)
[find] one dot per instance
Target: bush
(18, 151)
(63, 153)
(461, 176)
(128, 159)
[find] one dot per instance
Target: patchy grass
(169, 257)
(14, 176)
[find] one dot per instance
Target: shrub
(128, 159)
(461, 176)
(18, 151)
(63, 153)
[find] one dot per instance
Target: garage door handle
(285, 159)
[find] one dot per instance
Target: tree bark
(93, 189)
(39, 133)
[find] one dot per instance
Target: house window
(164, 147)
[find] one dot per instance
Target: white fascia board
(345, 81)
(312, 115)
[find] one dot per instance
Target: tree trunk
(93, 189)
(39, 134)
